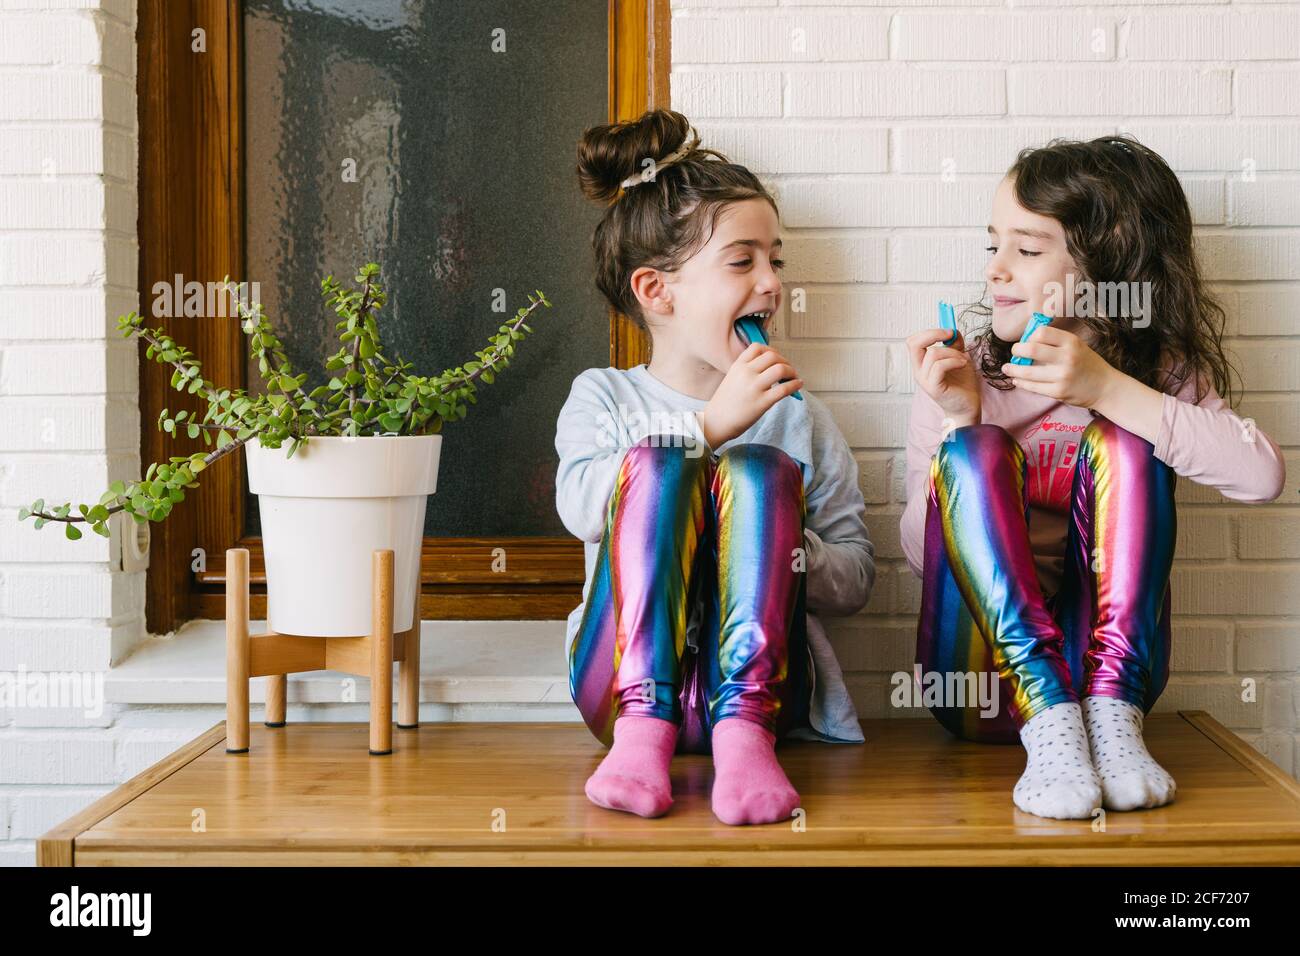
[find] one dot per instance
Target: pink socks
(634, 774)
(749, 785)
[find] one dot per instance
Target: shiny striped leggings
(686, 531)
(1106, 630)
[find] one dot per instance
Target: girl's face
(733, 274)
(1028, 266)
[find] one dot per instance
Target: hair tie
(673, 157)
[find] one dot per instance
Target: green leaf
(72, 533)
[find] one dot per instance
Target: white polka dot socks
(1130, 777)
(1059, 780)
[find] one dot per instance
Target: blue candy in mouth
(750, 331)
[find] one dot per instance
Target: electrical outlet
(133, 542)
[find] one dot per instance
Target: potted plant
(362, 458)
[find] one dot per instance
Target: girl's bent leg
(1115, 600)
(625, 660)
(1116, 605)
(758, 665)
(626, 655)
(981, 599)
(756, 661)
(982, 602)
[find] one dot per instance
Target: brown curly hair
(1126, 219)
(659, 223)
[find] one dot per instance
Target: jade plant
(367, 394)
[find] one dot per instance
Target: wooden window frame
(191, 224)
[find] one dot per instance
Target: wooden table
(511, 793)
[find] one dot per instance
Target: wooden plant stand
(275, 656)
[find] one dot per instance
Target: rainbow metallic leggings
(1106, 630)
(630, 654)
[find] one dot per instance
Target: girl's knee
(1102, 433)
(1103, 441)
(662, 453)
(758, 457)
(768, 455)
(982, 437)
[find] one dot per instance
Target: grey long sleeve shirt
(608, 410)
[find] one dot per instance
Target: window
(309, 138)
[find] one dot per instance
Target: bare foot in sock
(634, 774)
(749, 785)
(1130, 776)
(1059, 779)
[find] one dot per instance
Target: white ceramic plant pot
(324, 511)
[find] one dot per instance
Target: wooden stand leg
(408, 674)
(237, 651)
(277, 695)
(239, 658)
(381, 653)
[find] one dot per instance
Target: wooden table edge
(57, 847)
(1246, 755)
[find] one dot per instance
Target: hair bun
(607, 155)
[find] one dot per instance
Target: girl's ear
(651, 291)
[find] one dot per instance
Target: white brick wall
(884, 128)
(69, 412)
(868, 94)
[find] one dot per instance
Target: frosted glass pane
(464, 185)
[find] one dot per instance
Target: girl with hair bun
(720, 510)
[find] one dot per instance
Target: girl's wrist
(1132, 405)
(710, 437)
(1112, 385)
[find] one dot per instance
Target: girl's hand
(947, 374)
(1064, 368)
(749, 389)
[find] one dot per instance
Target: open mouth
(760, 317)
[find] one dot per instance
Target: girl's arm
(841, 566)
(588, 444)
(924, 433)
(1205, 441)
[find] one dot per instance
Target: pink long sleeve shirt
(1206, 442)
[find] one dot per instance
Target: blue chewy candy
(948, 321)
(1037, 322)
